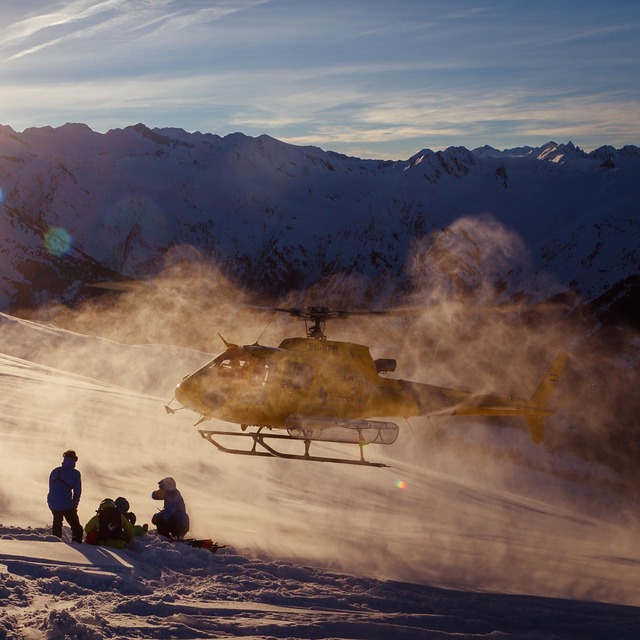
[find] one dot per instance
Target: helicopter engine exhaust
(304, 427)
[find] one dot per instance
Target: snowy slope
(315, 551)
(158, 591)
(79, 205)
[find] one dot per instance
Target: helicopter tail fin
(535, 425)
(541, 396)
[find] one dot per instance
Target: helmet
(122, 504)
(70, 453)
(167, 484)
(108, 503)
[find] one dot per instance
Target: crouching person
(109, 527)
(172, 521)
(123, 507)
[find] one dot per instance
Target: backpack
(92, 537)
(110, 524)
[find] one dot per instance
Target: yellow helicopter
(310, 389)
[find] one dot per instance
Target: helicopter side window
(297, 375)
(262, 372)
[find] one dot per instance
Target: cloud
(84, 19)
(79, 19)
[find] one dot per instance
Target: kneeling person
(109, 527)
(172, 521)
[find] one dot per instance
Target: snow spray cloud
(475, 259)
(482, 329)
(478, 333)
(471, 327)
(466, 334)
(99, 386)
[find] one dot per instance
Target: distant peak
(75, 126)
(153, 136)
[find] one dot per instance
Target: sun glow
(58, 241)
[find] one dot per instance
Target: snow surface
(448, 541)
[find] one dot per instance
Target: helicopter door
(261, 374)
(259, 378)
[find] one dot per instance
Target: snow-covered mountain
(79, 206)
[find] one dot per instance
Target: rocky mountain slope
(79, 206)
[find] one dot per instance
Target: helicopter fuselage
(323, 390)
(262, 386)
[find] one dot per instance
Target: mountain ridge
(279, 217)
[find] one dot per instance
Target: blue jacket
(65, 486)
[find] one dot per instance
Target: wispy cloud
(573, 34)
(68, 18)
(84, 20)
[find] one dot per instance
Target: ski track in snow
(473, 546)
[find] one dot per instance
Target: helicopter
(311, 389)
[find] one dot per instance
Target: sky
(368, 78)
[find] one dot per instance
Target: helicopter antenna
(263, 332)
(435, 432)
(410, 426)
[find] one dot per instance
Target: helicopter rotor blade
(112, 285)
(317, 312)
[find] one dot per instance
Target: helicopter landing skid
(270, 452)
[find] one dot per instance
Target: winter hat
(107, 503)
(122, 504)
(167, 484)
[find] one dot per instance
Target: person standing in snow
(65, 489)
(172, 521)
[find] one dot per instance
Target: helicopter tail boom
(441, 401)
(535, 411)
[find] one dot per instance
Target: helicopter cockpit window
(297, 375)
(236, 367)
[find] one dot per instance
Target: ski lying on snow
(200, 544)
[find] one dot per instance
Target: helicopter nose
(185, 393)
(194, 393)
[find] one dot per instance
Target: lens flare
(400, 484)
(57, 241)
